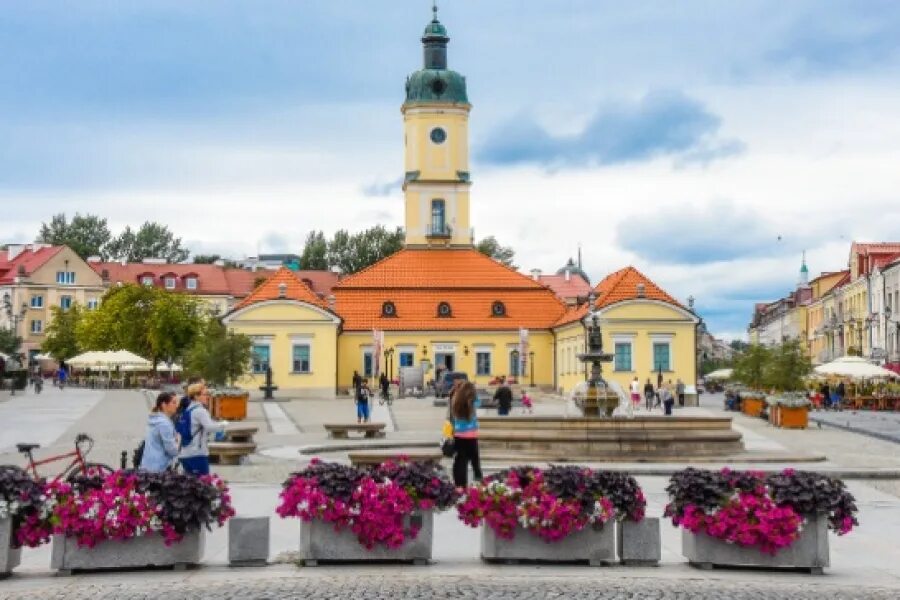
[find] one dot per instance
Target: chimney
(13, 250)
(94, 259)
(104, 275)
(219, 263)
(641, 292)
(154, 261)
(536, 274)
(331, 301)
(21, 271)
(282, 290)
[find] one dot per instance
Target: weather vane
(434, 8)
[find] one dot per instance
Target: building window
(444, 310)
(662, 356)
(438, 217)
(65, 302)
(514, 363)
(147, 280)
(482, 363)
(368, 364)
(406, 359)
(37, 302)
(65, 277)
(37, 326)
(169, 283)
(300, 355)
(498, 309)
(261, 357)
(388, 310)
(93, 303)
(190, 283)
(623, 356)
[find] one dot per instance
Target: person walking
(194, 426)
(184, 402)
(825, 390)
(385, 384)
(465, 434)
(504, 398)
(61, 376)
(841, 393)
(363, 394)
(527, 405)
(635, 389)
(679, 391)
(649, 394)
(668, 400)
(161, 441)
(357, 381)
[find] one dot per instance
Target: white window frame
(62, 300)
(37, 301)
(298, 344)
(147, 280)
(65, 277)
(263, 344)
(659, 338)
(190, 283)
(93, 303)
(37, 326)
(169, 280)
(630, 345)
(490, 361)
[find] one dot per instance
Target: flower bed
(20, 498)
(764, 514)
(553, 507)
(376, 513)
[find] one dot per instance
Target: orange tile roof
(619, 287)
(417, 280)
(296, 290)
(30, 259)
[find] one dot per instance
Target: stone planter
(809, 551)
(640, 543)
(320, 542)
(596, 547)
(135, 553)
(9, 556)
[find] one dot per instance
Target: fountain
(598, 399)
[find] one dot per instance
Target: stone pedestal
(595, 547)
(320, 542)
(135, 553)
(248, 541)
(9, 557)
(639, 543)
(809, 552)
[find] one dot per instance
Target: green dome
(436, 85)
(435, 29)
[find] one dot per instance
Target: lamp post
(531, 362)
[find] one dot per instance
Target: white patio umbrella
(719, 374)
(109, 359)
(854, 367)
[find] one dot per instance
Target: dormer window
(147, 280)
(190, 283)
(498, 309)
(169, 282)
(388, 309)
(443, 310)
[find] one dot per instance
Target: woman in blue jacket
(161, 443)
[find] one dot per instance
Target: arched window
(498, 309)
(444, 310)
(438, 217)
(388, 310)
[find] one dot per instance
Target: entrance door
(445, 360)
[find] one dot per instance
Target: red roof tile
(29, 259)
(211, 279)
(576, 285)
(294, 289)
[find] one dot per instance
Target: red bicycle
(78, 467)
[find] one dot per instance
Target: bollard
(248, 541)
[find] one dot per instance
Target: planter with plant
(789, 410)
(222, 358)
(20, 500)
(750, 519)
(379, 513)
(561, 514)
(127, 519)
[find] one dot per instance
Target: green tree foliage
(788, 364)
(61, 336)
(205, 259)
(10, 343)
(750, 366)
(87, 234)
(151, 322)
(315, 252)
(739, 345)
(505, 255)
(152, 240)
(354, 252)
(219, 356)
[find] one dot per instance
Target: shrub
(20, 498)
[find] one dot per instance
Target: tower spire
(804, 271)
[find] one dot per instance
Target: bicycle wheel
(91, 469)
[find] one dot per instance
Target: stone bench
(364, 458)
(341, 430)
(230, 453)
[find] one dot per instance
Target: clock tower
(436, 148)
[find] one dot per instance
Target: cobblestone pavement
(882, 425)
(404, 586)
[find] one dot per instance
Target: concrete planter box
(9, 557)
(596, 547)
(640, 543)
(320, 542)
(135, 553)
(810, 551)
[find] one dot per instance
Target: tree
(750, 367)
(61, 337)
(87, 235)
(219, 356)
(206, 259)
(489, 246)
(354, 252)
(788, 365)
(315, 252)
(739, 345)
(152, 240)
(10, 343)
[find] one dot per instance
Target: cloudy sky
(707, 143)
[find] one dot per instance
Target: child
(362, 402)
(526, 403)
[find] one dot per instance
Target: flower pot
(230, 407)
(809, 551)
(134, 553)
(9, 556)
(793, 417)
(596, 547)
(752, 407)
(320, 542)
(639, 543)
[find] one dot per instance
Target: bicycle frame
(77, 453)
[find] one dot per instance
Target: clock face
(438, 135)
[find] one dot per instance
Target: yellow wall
(856, 309)
(280, 324)
(352, 345)
(569, 344)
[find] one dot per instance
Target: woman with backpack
(463, 403)
(194, 425)
(161, 442)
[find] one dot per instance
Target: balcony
(438, 231)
